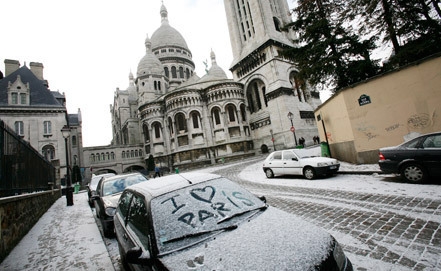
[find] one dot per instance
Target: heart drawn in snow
(205, 194)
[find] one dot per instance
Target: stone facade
(37, 114)
(185, 120)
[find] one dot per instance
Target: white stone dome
(149, 64)
(166, 35)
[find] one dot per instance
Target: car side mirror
(95, 197)
(294, 159)
(262, 198)
(135, 255)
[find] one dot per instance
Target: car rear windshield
(114, 186)
(199, 209)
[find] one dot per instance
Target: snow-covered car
(299, 162)
(415, 160)
(108, 191)
(202, 221)
(91, 186)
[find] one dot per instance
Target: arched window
(112, 155)
(123, 155)
(173, 70)
(155, 85)
(157, 129)
(254, 95)
(216, 116)
(48, 152)
(276, 24)
(92, 158)
(170, 126)
(74, 140)
(195, 119)
(243, 112)
(145, 129)
(187, 73)
(167, 73)
(231, 110)
(181, 123)
(181, 72)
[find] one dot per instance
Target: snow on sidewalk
(64, 238)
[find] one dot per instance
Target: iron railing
(22, 168)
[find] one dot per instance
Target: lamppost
(272, 139)
(293, 130)
(65, 131)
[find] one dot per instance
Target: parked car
(416, 160)
(91, 186)
(202, 221)
(108, 191)
(299, 162)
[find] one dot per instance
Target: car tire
(269, 173)
(107, 229)
(309, 173)
(123, 258)
(413, 173)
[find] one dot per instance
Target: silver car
(198, 221)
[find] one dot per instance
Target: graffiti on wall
(392, 127)
(418, 121)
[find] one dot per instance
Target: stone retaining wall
(18, 214)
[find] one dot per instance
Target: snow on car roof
(158, 186)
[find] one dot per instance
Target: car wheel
(123, 258)
(413, 173)
(309, 173)
(269, 173)
(107, 229)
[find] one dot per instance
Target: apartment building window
(23, 98)
(14, 98)
(19, 128)
(47, 128)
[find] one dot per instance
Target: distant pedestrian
(157, 171)
(302, 141)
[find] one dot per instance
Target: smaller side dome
(215, 72)
(149, 64)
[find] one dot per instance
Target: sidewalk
(64, 238)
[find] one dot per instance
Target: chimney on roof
(11, 66)
(37, 69)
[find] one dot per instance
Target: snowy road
(382, 223)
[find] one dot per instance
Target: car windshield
(186, 216)
(114, 186)
(306, 153)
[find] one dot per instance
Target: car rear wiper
(229, 228)
(240, 213)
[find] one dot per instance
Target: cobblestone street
(397, 231)
(377, 230)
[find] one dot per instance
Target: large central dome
(166, 35)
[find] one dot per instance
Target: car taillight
(381, 156)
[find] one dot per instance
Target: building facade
(37, 114)
(184, 120)
(383, 111)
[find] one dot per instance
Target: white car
(299, 162)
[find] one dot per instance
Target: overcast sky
(88, 48)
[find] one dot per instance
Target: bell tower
(273, 89)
